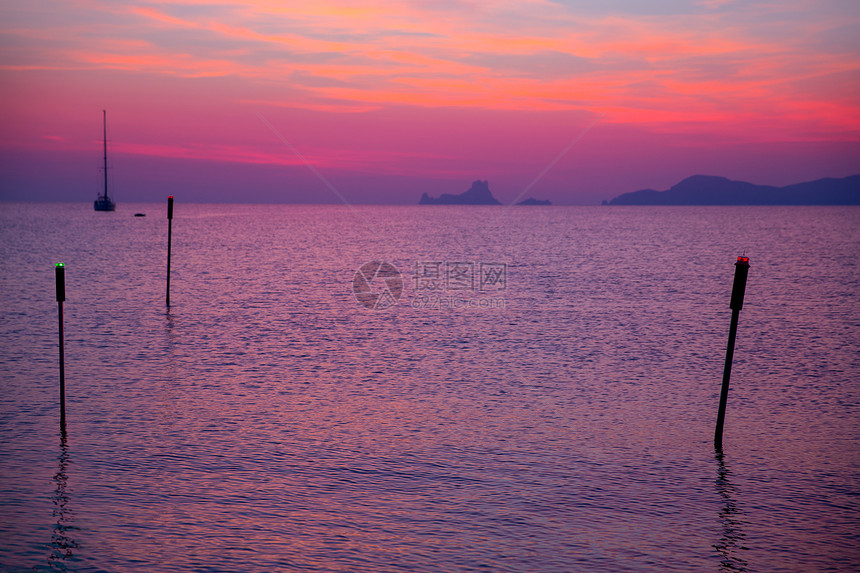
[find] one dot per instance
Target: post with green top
(742, 267)
(169, 240)
(60, 274)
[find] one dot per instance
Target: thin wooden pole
(60, 275)
(169, 242)
(742, 267)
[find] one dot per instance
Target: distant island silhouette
(478, 194)
(710, 190)
(533, 201)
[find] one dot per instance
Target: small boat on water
(104, 203)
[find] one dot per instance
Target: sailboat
(104, 203)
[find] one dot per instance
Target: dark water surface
(270, 422)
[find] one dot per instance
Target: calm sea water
(541, 397)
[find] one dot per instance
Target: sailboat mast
(104, 128)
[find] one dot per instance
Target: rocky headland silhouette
(533, 201)
(478, 194)
(711, 190)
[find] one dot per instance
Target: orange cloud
(719, 70)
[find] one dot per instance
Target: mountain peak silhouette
(713, 190)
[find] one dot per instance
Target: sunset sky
(573, 101)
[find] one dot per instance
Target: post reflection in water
(62, 544)
(731, 543)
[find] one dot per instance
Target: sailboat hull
(103, 204)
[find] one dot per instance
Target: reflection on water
(63, 544)
(269, 422)
(730, 545)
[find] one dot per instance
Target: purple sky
(223, 101)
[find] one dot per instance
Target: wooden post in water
(742, 267)
(169, 241)
(60, 274)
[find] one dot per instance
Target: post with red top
(742, 267)
(169, 240)
(60, 275)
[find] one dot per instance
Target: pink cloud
(423, 87)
